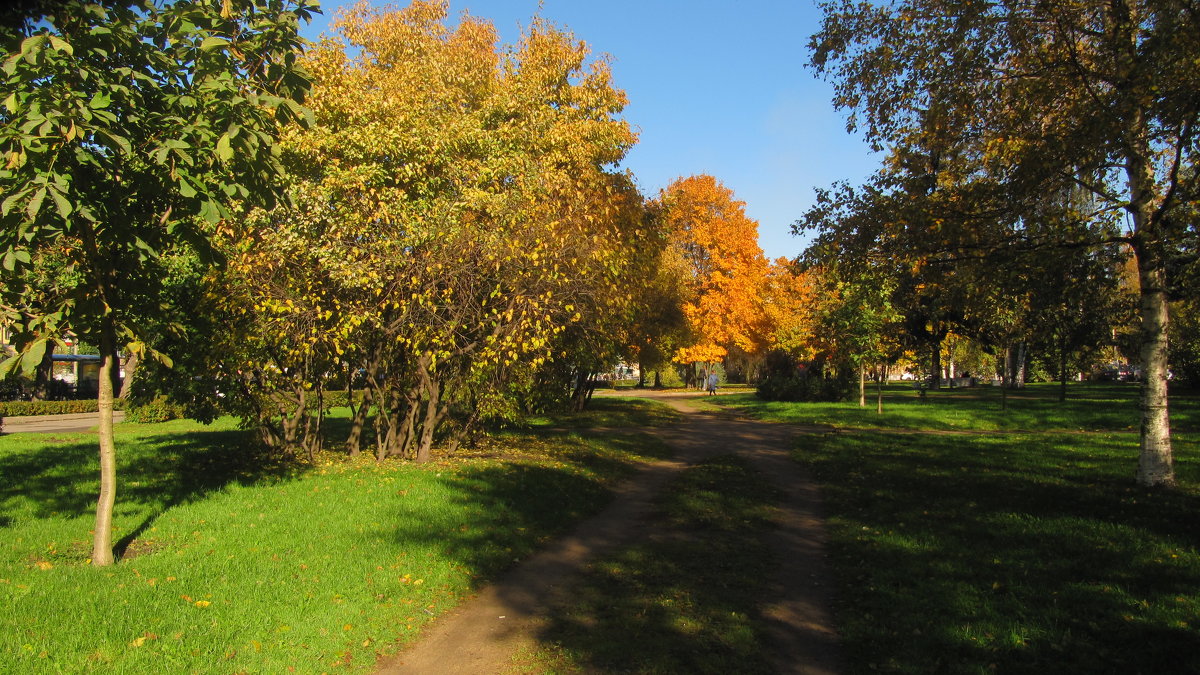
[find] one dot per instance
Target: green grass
(236, 563)
(1089, 407)
(683, 600)
(1009, 553)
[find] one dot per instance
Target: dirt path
(484, 634)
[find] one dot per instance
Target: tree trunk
(879, 389)
(44, 374)
(102, 548)
(358, 419)
(432, 404)
(936, 365)
(862, 386)
(1020, 376)
(1155, 461)
(657, 379)
(1062, 373)
(1004, 379)
(409, 427)
(131, 366)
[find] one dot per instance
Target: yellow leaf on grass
(203, 603)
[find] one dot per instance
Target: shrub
(337, 398)
(158, 410)
(786, 380)
(26, 408)
(801, 387)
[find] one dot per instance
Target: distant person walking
(712, 384)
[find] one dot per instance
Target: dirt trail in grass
(502, 625)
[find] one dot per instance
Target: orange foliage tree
(727, 268)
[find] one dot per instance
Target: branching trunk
(582, 391)
(131, 365)
(434, 410)
(408, 428)
(358, 419)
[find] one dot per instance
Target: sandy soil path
(504, 620)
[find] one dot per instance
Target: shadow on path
(514, 615)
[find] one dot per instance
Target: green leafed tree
(129, 129)
(1043, 96)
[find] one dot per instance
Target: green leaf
(212, 42)
(61, 45)
(35, 202)
(302, 114)
(118, 141)
(224, 151)
(32, 357)
(31, 46)
(9, 365)
(10, 201)
(147, 249)
(11, 102)
(99, 101)
(185, 188)
(62, 203)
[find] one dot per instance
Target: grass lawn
(1089, 407)
(235, 563)
(685, 598)
(1010, 552)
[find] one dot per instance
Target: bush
(801, 387)
(337, 398)
(26, 408)
(786, 380)
(158, 410)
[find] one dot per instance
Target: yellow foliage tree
(456, 222)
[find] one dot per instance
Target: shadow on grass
(610, 412)
(1014, 554)
(154, 473)
(684, 596)
(515, 506)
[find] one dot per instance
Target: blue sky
(716, 87)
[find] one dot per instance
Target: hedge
(26, 408)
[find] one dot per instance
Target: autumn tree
(457, 227)
(1046, 95)
(791, 302)
(727, 269)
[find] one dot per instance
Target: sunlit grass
(1089, 407)
(236, 563)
